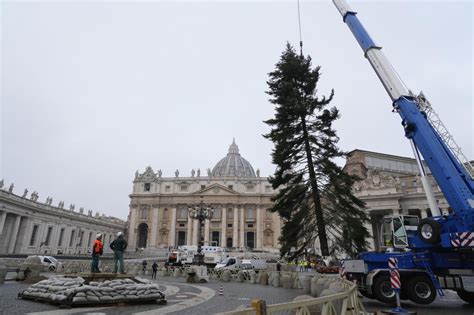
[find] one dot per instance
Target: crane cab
(396, 230)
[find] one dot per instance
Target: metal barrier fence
(345, 303)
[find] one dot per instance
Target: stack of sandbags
(54, 289)
(122, 290)
(118, 290)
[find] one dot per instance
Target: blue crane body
(437, 252)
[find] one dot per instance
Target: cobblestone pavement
(204, 298)
(450, 304)
(183, 298)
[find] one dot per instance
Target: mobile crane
(437, 252)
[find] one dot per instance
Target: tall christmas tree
(314, 194)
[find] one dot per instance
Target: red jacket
(97, 248)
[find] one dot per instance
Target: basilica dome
(233, 165)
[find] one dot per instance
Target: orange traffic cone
(221, 290)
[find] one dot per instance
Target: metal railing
(350, 304)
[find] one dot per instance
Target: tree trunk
(323, 241)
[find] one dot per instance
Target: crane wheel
(429, 231)
(382, 289)
(466, 296)
(420, 289)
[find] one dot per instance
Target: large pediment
(216, 190)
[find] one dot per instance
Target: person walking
(278, 265)
(97, 250)
(118, 246)
(154, 268)
(144, 263)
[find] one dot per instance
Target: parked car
(49, 262)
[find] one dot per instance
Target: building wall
(161, 205)
(24, 226)
(390, 185)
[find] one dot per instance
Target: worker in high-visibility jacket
(97, 250)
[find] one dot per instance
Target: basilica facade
(239, 197)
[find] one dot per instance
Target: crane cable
(299, 25)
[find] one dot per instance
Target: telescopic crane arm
(450, 168)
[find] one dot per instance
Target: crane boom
(453, 177)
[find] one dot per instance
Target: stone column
(223, 226)
(53, 244)
(207, 224)
(258, 213)
(242, 226)
(235, 228)
(423, 213)
(24, 242)
(154, 227)
(195, 232)
(189, 233)
(172, 235)
(277, 232)
(370, 240)
(132, 241)
(16, 227)
(3, 217)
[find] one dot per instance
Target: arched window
(142, 235)
(229, 242)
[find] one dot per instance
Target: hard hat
(98, 235)
(119, 234)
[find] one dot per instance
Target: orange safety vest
(98, 245)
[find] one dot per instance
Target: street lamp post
(200, 212)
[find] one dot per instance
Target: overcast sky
(93, 91)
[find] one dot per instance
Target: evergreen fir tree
(314, 195)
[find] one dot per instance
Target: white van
(212, 254)
(237, 263)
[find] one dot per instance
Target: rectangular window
(229, 225)
(80, 238)
(61, 235)
(250, 214)
(167, 188)
(250, 225)
(249, 187)
(33, 235)
(71, 239)
(230, 214)
(182, 225)
(216, 214)
(183, 187)
(48, 236)
(268, 188)
(182, 214)
(147, 186)
(144, 213)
